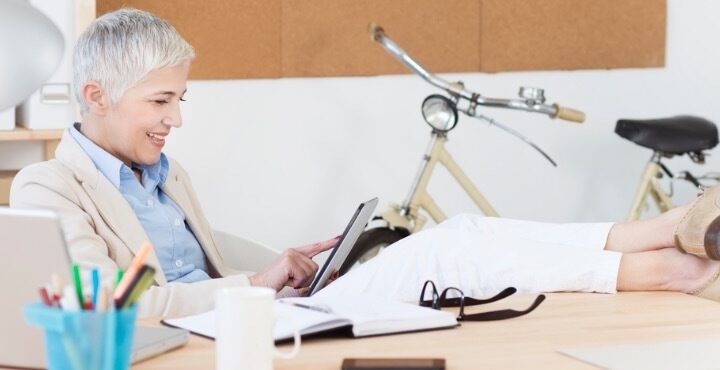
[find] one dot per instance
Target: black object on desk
(393, 364)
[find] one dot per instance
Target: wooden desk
(564, 320)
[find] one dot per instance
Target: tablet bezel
(341, 250)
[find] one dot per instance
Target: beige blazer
(102, 230)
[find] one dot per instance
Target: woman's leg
(484, 255)
(592, 236)
(629, 237)
(484, 263)
(645, 235)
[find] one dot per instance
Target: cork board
(571, 34)
(232, 39)
(313, 38)
(329, 38)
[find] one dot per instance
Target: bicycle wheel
(369, 244)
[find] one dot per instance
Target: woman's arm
(49, 185)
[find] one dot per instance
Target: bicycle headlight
(440, 113)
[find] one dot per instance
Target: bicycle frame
(408, 215)
(650, 186)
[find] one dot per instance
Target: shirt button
(150, 203)
(178, 222)
(178, 263)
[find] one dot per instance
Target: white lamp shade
(31, 47)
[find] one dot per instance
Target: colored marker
(135, 266)
(78, 285)
(95, 286)
(118, 277)
(102, 299)
(143, 280)
(69, 302)
(45, 297)
(57, 287)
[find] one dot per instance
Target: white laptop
(32, 246)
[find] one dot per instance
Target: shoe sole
(712, 240)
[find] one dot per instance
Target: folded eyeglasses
(441, 300)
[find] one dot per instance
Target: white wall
(286, 161)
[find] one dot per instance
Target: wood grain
(563, 321)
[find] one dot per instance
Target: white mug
(244, 335)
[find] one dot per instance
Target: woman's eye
(161, 102)
(182, 99)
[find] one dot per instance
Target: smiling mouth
(155, 137)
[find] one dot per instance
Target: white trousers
(484, 255)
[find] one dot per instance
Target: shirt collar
(112, 167)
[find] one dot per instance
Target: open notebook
(366, 315)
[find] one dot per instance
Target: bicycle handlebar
(456, 89)
(569, 114)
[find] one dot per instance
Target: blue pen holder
(84, 340)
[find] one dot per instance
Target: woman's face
(138, 124)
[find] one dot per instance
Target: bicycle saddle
(676, 135)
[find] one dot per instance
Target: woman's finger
(312, 250)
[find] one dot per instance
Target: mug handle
(294, 351)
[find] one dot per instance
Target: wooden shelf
(50, 139)
(23, 134)
(6, 178)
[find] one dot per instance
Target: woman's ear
(97, 101)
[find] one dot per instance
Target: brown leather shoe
(699, 230)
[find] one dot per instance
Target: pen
(135, 266)
(78, 285)
(53, 296)
(118, 277)
(69, 302)
(308, 307)
(102, 298)
(45, 297)
(57, 287)
(144, 279)
(95, 286)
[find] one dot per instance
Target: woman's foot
(691, 273)
(665, 269)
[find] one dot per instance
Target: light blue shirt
(180, 255)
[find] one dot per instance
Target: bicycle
(668, 137)
(441, 114)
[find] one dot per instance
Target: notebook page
(288, 318)
(308, 321)
(372, 315)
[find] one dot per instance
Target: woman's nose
(173, 118)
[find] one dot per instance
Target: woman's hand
(294, 267)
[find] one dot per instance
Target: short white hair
(120, 48)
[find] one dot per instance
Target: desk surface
(564, 320)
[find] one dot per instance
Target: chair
(243, 254)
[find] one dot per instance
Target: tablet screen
(340, 252)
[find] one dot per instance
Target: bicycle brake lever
(513, 133)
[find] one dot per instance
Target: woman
(114, 188)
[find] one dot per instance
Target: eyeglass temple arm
(504, 294)
(507, 314)
(469, 300)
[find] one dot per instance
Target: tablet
(340, 252)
